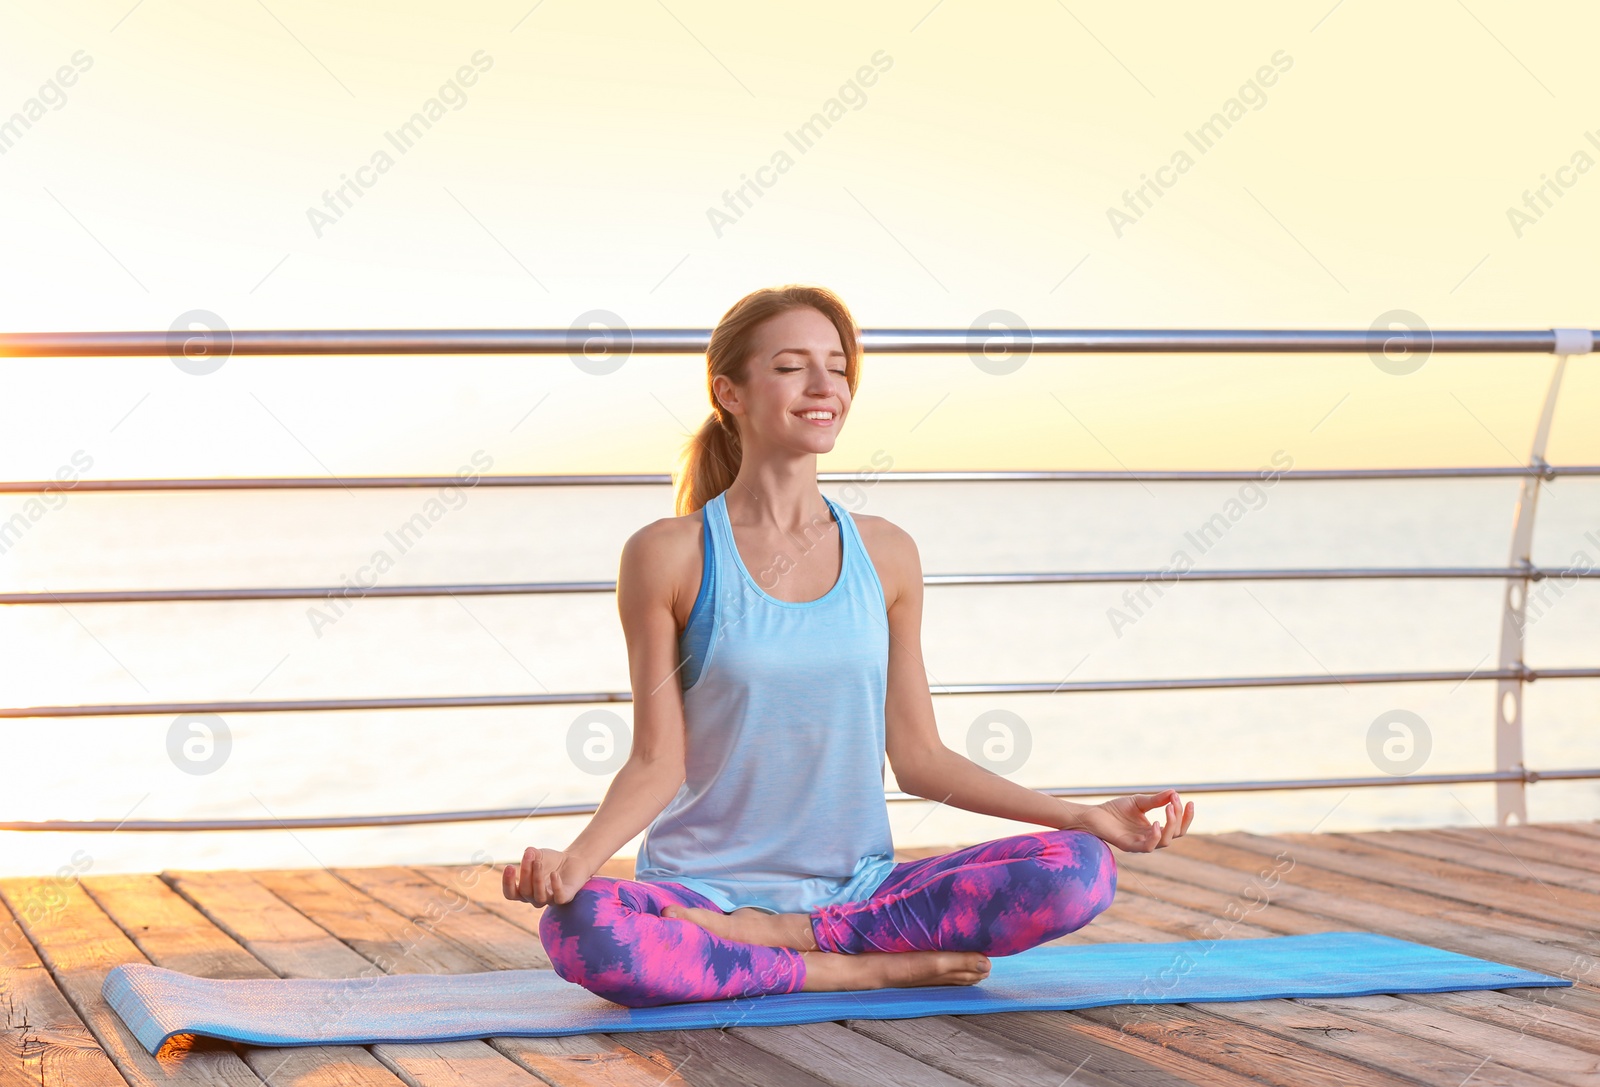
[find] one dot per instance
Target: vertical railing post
(1511, 797)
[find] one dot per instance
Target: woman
(774, 647)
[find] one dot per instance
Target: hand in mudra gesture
(545, 876)
(1121, 822)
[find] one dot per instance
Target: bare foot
(829, 972)
(750, 926)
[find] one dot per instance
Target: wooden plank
(1582, 848)
(288, 942)
(714, 1058)
(1449, 1062)
(1443, 879)
(393, 942)
(481, 883)
(615, 868)
(1589, 827)
(79, 945)
(1193, 1041)
(1544, 942)
(171, 933)
(1476, 1036)
(1554, 846)
(960, 1046)
(1156, 898)
(293, 944)
(491, 939)
(42, 1040)
(1107, 929)
(586, 1060)
(1492, 854)
(1168, 914)
(1575, 832)
(168, 930)
(1550, 1021)
(844, 1058)
(1487, 856)
(1508, 855)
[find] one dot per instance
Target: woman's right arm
(646, 592)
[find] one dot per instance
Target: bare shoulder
(661, 563)
(893, 553)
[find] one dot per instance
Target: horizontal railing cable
(215, 342)
(536, 588)
(340, 592)
(355, 483)
(316, 705)
(556, 810)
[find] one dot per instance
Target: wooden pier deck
(1528, 896)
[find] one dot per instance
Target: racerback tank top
(782, 807)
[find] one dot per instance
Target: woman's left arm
(925, 767)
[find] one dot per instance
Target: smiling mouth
(818, 416)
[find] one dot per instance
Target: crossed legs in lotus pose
(933, 921)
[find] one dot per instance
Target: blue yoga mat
(158, 1004)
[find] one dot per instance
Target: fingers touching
(1177, 817)
(1148, 801)
(529, 881)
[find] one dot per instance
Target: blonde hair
(710, 459)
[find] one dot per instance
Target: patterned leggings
(998, 898)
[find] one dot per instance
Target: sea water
(277, 765)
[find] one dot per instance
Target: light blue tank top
(782, 807)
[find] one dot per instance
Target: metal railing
(542, 588)
(1510, 775)
(356, 483)
(688, 341)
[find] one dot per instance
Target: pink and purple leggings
(998, 898)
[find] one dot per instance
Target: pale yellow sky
(164, 156)
(973, 164)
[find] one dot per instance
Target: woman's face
(797, 367)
